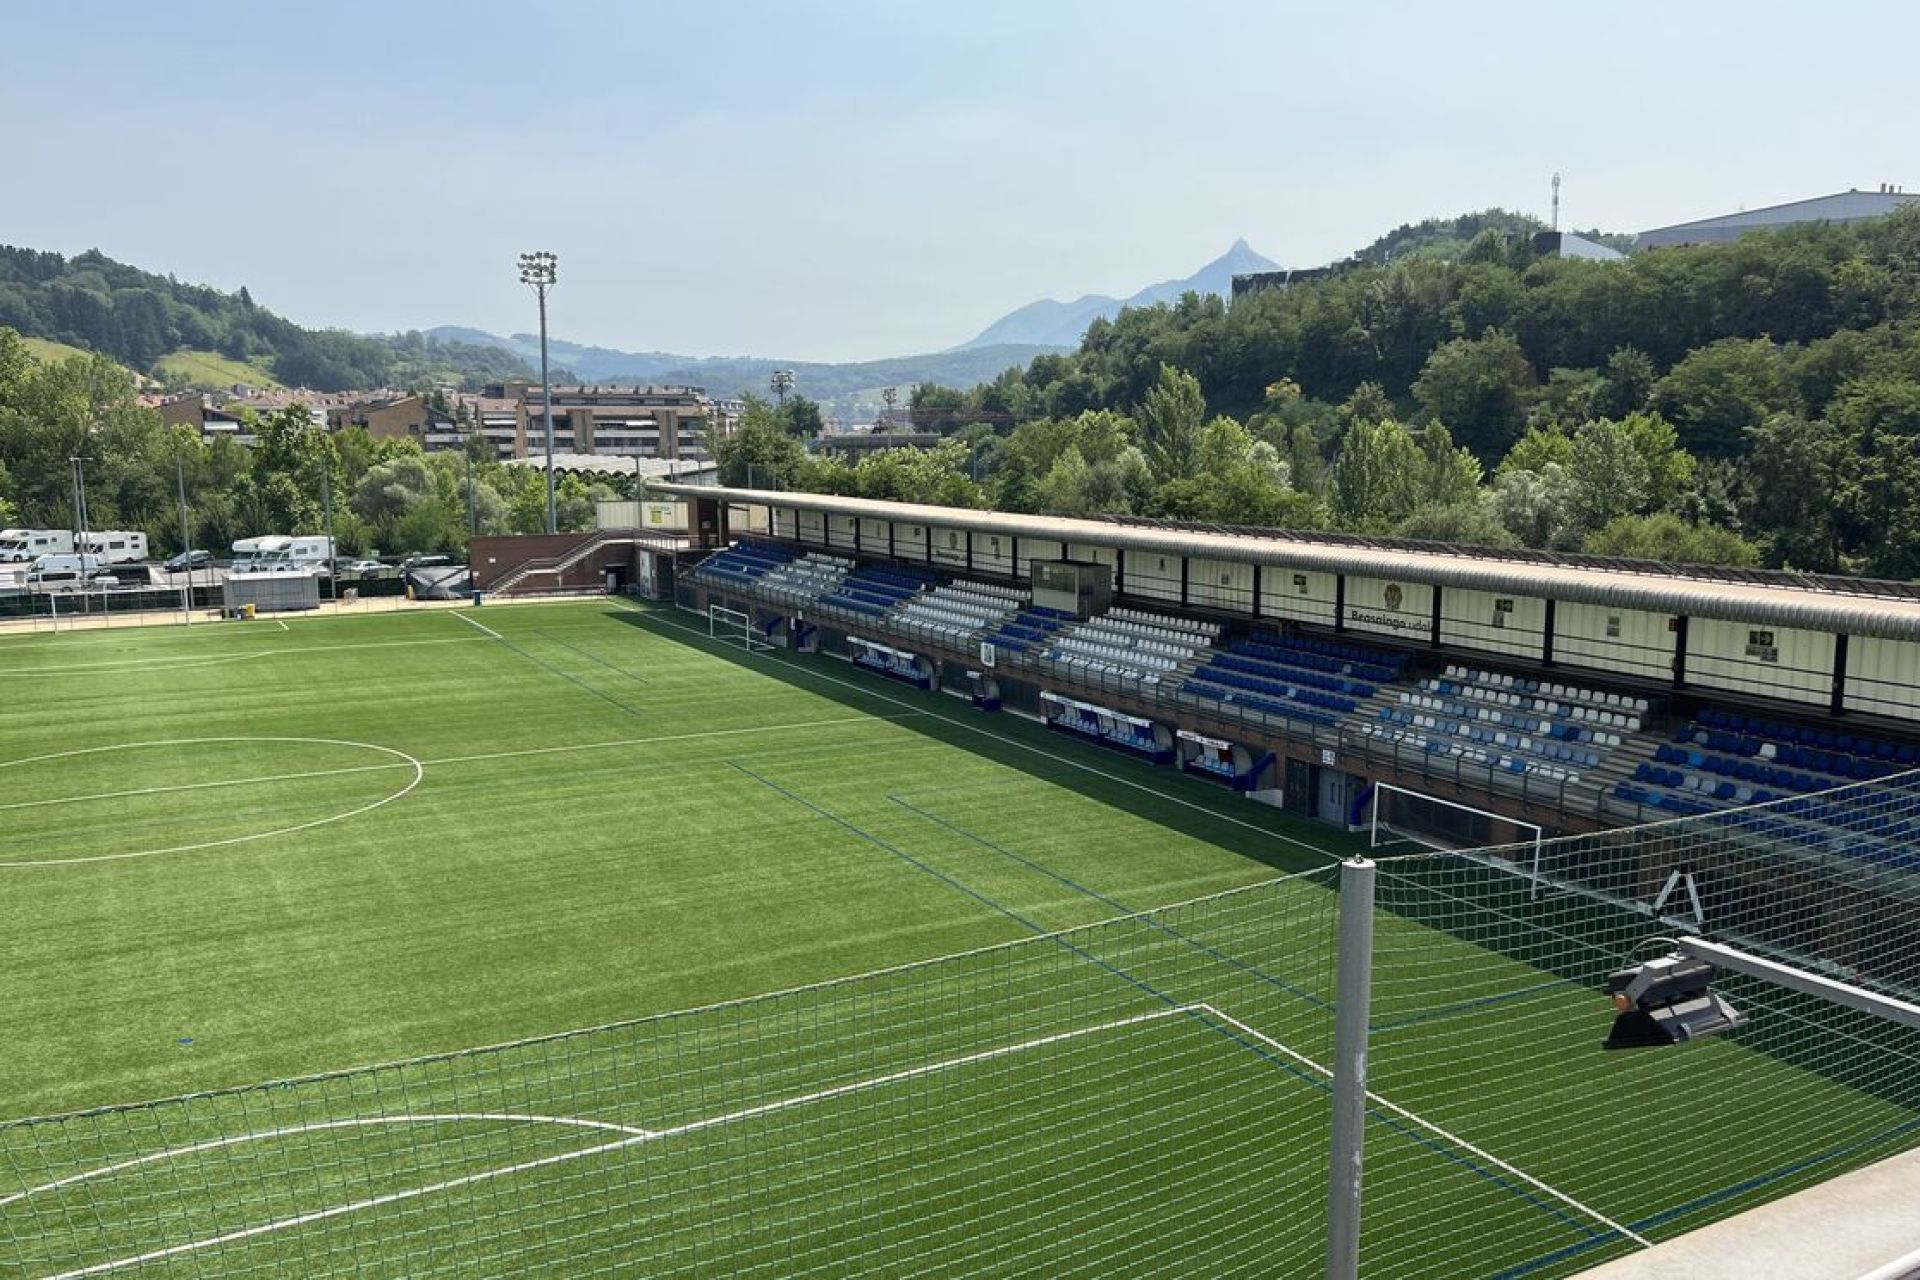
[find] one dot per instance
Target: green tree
(1800, 480)
(1608, 473)
(1536, 507)
(293, 462)
(1719, 392)
(1537, 447)
(1479, 387)
(760, 452)
(1668, 537)
(1170, 418)
(1626, 383)
(801, 417)
(1471, 524)
(1378, 478)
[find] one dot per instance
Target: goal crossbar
(733, 626)
(1377, 823)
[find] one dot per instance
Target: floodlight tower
(1556, 202)
(540, 270)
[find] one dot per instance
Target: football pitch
(251, 852)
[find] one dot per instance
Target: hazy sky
(851, 180)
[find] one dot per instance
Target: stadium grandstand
(1577, 693)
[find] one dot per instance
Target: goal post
(732, 626)
(1398, 816)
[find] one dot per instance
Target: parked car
(186, 560)
(359, 568)
(425, 562)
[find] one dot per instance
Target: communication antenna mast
(1556, 202)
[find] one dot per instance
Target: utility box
(270, 592)
(1072, 586)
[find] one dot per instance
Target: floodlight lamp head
(1667, 1001)
(539, 268)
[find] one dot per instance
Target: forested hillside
(139, 318)
(1757, 402)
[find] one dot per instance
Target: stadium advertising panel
(1301, 594)
(1776, 662)
(1220, 584)
(1390, 607)
(910, 541)
(1493, 622)
(1630, 641)
(950, 547)
(1883, 676)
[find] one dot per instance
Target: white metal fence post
(1350, 1068)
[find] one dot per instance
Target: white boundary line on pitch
(319, 1126)
(474, 622)
(672, 613)
(186, 662)
(644, 1136)
(406, 761)
(637, 1137)
(1443, 1134)
(419, 773)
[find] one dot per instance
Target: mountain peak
(1060, 324)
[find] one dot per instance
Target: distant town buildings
(1263, 281)
(1846, 206)
(620, 422)
(1565, 244)
(613, 421)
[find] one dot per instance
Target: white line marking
(645, 1136)
(265, 1135)
(419, 772)
(175, 788)
(1443, 1134)
(405, 762)
(988, 733)
(283, 625)
(189, 661)
(472, 622)
(184, 662)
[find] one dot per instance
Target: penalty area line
(1444, 1135)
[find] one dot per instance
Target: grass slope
(48, 351)
(612, 817)
(211, 371)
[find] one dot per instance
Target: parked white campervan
(118, 546)
(303, 554)
(26, 545)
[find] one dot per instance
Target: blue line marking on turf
(1653, 1221)
(1259, 1050)
(590, 656)
(570, 679)
(1206, 948)
(1784, 1171)
(1437, 1012)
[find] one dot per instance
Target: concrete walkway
(1853, 1227)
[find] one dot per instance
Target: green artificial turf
(241, 852)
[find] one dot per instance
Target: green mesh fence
(1143, 1097)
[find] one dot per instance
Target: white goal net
(731, 626)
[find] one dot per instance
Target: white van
(26, 545)
(63, 573)
(118, 546)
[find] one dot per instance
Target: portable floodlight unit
(1666, 1001)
